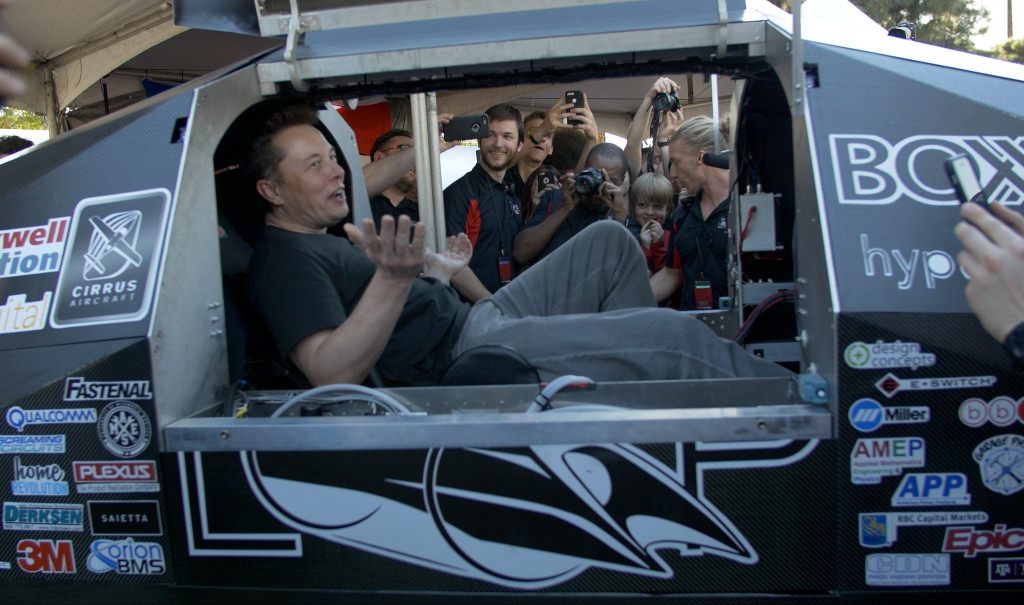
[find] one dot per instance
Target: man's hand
(586, 120)
(993, 257)
(670, 122)
(457, 252)
(662, 85)
(651, 232)
(12, 56)
(569, 196)
(443, 119)
(614, 197)
(396, 256)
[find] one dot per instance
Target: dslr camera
(665, 102)
(588, 182)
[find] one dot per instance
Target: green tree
(948, 23)
(1011, 50)
(20, 119)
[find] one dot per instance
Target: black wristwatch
(1014, 345)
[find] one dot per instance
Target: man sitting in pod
(336, 308)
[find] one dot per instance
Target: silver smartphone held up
(965, 180)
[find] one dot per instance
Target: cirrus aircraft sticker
(110, 264)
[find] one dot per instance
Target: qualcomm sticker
(866, 415)
(879, 355)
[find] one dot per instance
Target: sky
(997, 23)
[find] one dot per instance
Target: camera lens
(475, 127)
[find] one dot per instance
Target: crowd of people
(564, 244)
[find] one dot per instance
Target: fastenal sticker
(1006, 569)
(906, 569)
(890, 384)
(880, 530)
(872, 459)
(1001, 463)
(883, 355)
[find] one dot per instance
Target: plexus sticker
(1001, 463)
(872, 459)
(884, 355)
(111, 260)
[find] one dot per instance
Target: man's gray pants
(588, 309)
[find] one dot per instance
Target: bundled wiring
(764, 305)
(389, 402)
(542, 402)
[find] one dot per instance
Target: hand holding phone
(576, 98)
(464, 128)
(965, 181)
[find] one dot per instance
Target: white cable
(383, 398)
(540, 403)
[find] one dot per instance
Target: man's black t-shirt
(489, 213)
(380, 205)
(304, 283)
(700, 247)
(579, 219)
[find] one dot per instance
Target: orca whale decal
(526, 518)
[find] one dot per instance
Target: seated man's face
(309, 186)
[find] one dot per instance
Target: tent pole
(50, 92)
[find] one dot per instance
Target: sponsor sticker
(46, 556)
(77, 388)
(18, 418)
(1005, 569)
(32, 444)
(111, 259)
(18, 314)
(5, 565)
(872, 459)
(108, 476)
(126, 557)
(1001, 463)
(932, 489)
(884, 355)
(124, 428)
(906, 569)
(931, 265)
(1001, 411)
(45, 517)
(38, 479)
(880, 530)
(125, 518)
(890, 384)
(32, 250)
(866, 415)
(970, 541)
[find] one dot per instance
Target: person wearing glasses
(399, 198)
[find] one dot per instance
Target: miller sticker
(124, 428)
(111, 259)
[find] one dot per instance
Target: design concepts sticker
(884, 355)
(124, 429)
(111, 259)
(1001, 462)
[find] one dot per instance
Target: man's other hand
(397, 251)
(457, 252)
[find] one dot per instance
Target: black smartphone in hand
(965, 181)
(464, 128)
(576, 98)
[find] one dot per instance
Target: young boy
(650, 202)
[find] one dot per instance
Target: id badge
(504, 269)
(702, 294)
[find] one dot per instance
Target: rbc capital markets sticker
(124, 428)
(1001, 463)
